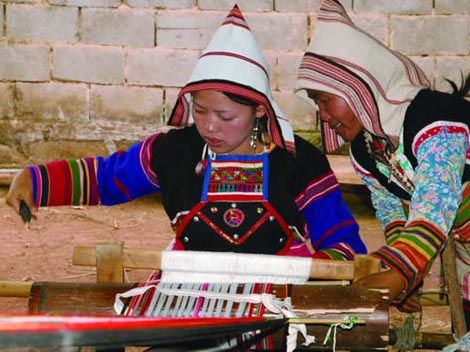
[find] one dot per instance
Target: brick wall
(86, 77)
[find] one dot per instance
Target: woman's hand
(396, 284)
(411, 303)
(21, 189)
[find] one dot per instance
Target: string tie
(352, 320)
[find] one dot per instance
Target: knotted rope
(333, 327)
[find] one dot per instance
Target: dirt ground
(44, 252)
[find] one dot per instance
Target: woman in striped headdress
(409, 144)
(233, 176)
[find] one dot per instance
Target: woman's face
(224, 124)
(336, 112)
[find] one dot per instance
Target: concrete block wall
(87, 77)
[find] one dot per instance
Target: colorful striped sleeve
(432, 210)
(334, 233)
(121, 177)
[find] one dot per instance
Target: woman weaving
(233, 178)
(409, 144)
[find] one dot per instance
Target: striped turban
(377, 83)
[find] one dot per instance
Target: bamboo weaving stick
(323, 321)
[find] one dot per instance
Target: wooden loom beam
(140, 258)
(336, 302)
(97, 298)
(110, 260)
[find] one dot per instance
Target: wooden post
(110, 262)
(365, 265)
(453, 289)
(110, 268)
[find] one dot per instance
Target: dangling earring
(254, 136)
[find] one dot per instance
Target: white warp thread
(271, 302)
(228, 267)
(137, 291)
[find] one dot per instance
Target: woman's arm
(389, 208)
(432, 210)
(118, 178)
(334, 233)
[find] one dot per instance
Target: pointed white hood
(233, 63)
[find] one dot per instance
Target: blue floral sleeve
(438, 179)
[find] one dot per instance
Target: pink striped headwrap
(377, 83)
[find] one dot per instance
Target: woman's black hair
(463, 89)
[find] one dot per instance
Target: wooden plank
(109, 262)
(151, 259)
(132, 258)
(337, 303)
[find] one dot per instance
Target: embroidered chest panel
(234, 213)
(232, 180)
